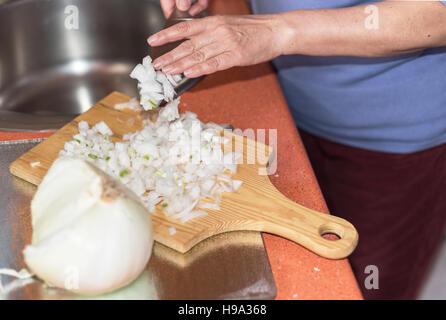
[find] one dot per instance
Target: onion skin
(91, 234)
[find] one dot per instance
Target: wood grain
(256, 206)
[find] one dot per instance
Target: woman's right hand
(184, 5)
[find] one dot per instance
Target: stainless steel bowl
(52, 69)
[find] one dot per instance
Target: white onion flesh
(132, 104)
(18, 283)
(172, 230)
(154, 86)
(90, 233)
(175, 161)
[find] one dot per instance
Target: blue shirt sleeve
(443, 2)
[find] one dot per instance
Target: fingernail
(183, 5)
(189, 73)
(168, 69)
(157, 64)
(193, 11)
(152, 39)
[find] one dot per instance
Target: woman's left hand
(220, 42)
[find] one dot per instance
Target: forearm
(404, 26)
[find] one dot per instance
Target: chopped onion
(154, 86)
(176, 162)
(236, 184)
(19, 275)
(132, 104)
(172, 230)
(193, 214)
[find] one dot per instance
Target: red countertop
(252, 98)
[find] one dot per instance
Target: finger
(167, 6)
(183, 5)
(218, 63)
(183, 50)
(177, 32)
(198, 7)
(195, 58)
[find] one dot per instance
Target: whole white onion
(90, 233)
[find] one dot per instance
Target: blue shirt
(395, 104)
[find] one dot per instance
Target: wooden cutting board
(256, 206)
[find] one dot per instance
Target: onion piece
(154, 86)
(132, 104)
(90, 233)
(172, 230)
(236, 184)
(21, 275)
(194, 214)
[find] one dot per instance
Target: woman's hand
(184, 5)
(221, 42)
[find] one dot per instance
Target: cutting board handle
(307, 227)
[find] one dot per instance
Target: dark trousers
(397, 202)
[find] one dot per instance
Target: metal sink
(52, 69)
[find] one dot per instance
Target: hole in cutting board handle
(330, 236)
(331, 232)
